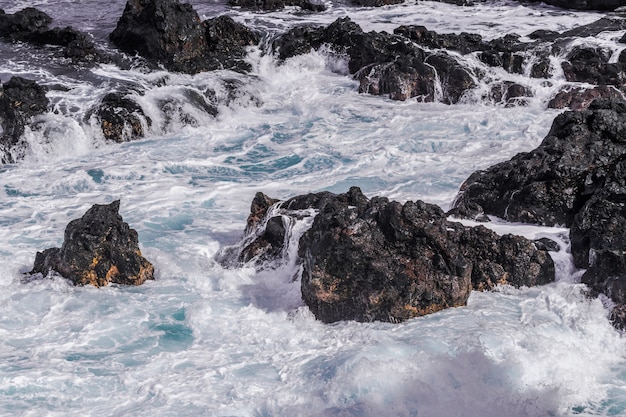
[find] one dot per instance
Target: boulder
(164, 32)
(550, 184)
(98, 249)
(20, 101)
(580, 98)
(169, 33)
(591, 65)
(121, 118)
(374, 259)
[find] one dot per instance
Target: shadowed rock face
(576, 177)
(374, 259)
(550, 184)
(120, 118)
(20, 101)
(169, 33)
(98, 249)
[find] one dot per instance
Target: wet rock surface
(20, 100)
(98, 249)
(405, 260)
(33, 26)
(574, 178)
(121, 118)
(169, 33)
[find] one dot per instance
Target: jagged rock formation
(98, 249)
(415, 62)
(20, 101)
(121, 118)
(574, 178)
(32, 25)
(374, 259)
(171, 34)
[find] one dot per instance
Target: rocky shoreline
(406, 259)
(410, 63)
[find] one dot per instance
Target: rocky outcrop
(171, 34)
(384, 64)
(121, 118)
(550, 184)
(576, 178)
(32, 25)
(269, 5)
(415, 62)
(20, 101)
(98, 249)
(580, 98)
(374, 259)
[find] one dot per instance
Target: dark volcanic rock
(550, 184)
(598, 238)
(163, 31)
(121, 118)
(311, 5)
(372, 259)
(168, 33)
(592, 65)
(22, 24)
(577, 177)
(32, 26)
(585, 4)
(580, 98)
(20, 101)
(98, 249)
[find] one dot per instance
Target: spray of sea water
(205, 340)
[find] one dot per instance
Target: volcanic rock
(168, 33)
(580, 98)
(550, 184)
(20, 101)
(374, 259)
(577, 178)
(98, 249)
(585, 4)
(121, 118)
(269, 5)
(32, 25)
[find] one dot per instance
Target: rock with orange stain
(379, 260)
(99, 248)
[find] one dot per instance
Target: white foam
(203, 340)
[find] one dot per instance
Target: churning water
(202, 340)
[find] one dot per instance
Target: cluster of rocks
(574, 178)
(413, 61)
(98, 249)
(31, 25)
(374, 259)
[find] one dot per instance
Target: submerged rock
(20, 101)
(169, 33)
(121, 118)
(374, 259)
(98, 249)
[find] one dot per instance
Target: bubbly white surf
(202, 340)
